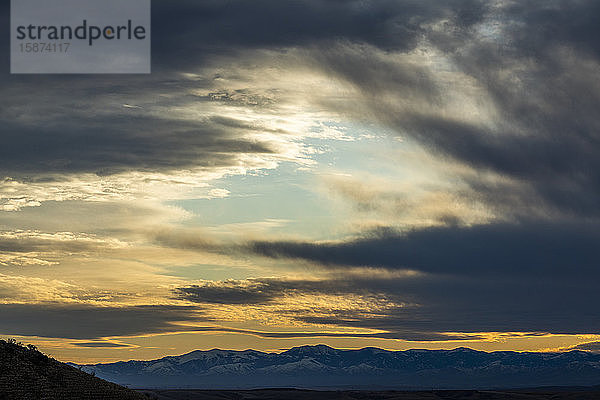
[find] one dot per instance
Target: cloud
(403, 203)
(500, 249)
(89, 131)
(533, 277)
(415, 306)
(89, 322)
(403, 335)
(23, 289)
(473, 81)
(121, 143)
(508, 90)
(203, 29)
(540, 69)
(292, 300)
(99, 344)
(31, 247)
(33, 240)
(438, 305)
(187, 33)
(258, 291)
(590, 346)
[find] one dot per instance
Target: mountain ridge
(322, 366)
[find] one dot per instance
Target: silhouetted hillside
(26, 374)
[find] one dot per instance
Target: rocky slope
(26, 374)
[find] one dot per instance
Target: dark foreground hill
(27, 374)
(322, 367)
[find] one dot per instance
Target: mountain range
(323, 367)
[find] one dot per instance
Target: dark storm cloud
(528, 277)
(548, 23)
(552, 145)
(542, 72)
(538, 63)
(62, 129)
(120, 143)
(527, 249)
(435, 304)
(89, 322)
(539, 66)
(187, 32)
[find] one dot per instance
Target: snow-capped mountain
(322, 366)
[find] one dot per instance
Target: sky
(399, 174)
